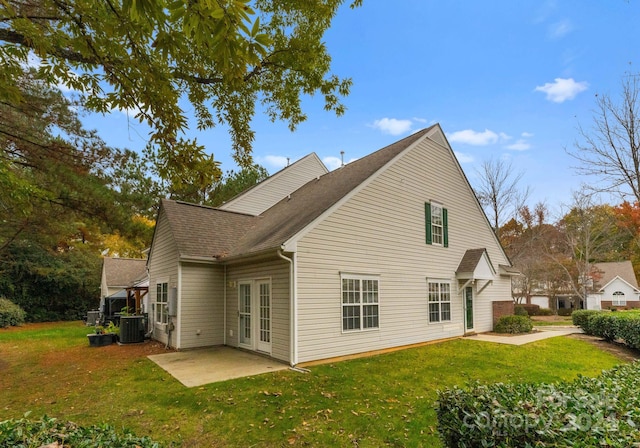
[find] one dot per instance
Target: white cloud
(419, 120)
(560, 29)
(277, 162)
(519, 145)
(333, 163)
(393, 126)
(562, 89)
(129, 112)
(526, 135)
(463, 158)
(471, 137)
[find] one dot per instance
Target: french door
(254, 315)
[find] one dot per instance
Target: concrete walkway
(541, 333)
(210, 365)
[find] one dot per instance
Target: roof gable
(607, 272)
(618, 280)
(293, 213)
(265, 194)
(475, 265)
(212, 233)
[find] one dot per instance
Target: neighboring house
(390, 250)
(118, 274)
(614, 286)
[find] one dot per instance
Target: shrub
(581, 413)
(513, 325)
(51, 432)
(545, 312)
(565, 311)
(604, 325)
(10, 313)
(532, 310)
(581, 318)
(629, 330)
(519, 310)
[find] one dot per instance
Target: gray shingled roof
(470, 260)
(123, 272)
(292, 214)
(208, 232)
(201, 231)
(611, 270)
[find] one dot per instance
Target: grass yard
(542, 321)
(386, 400)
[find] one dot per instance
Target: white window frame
(437, 224)
(439, 297)
(161, 305)
(616, 299)
(358, 301)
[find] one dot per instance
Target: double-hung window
(360, 302)
(436, 224)
(439, 301)
(619, 299)
(162, 296)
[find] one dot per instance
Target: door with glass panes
(254, 315)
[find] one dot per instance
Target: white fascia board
(617, 277)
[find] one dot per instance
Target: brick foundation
(502, 308)
(631, 305)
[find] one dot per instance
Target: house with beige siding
(387, 251)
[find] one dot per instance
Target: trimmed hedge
(513, 325)
(580, 318)
(610, 326)
(11, 315)
(49, 431)
(587, 412)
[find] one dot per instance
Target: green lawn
(385, 400)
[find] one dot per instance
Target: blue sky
(505, 79)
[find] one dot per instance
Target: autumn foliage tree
(222, 58)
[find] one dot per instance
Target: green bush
(580, 318)
(629, 331)
(604, 325)
(565, 311)
(49, 431)
(532, 310)
(519, 310)
(545, 312)
(513, 325)
(10, 314)
(587, 412)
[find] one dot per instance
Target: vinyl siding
(381, 231)
(201, 305)
(163, 266)
(278, 272)
(272, 190)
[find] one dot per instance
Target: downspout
(224, 307)
(293, 317)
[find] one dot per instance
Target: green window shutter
(445, 227)
(427, 219)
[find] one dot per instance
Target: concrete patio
(210, 365)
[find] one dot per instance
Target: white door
(254, 315)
